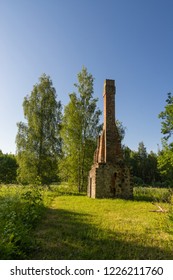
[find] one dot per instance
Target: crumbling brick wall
(109, 176)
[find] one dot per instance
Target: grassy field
(76, 227)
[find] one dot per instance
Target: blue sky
(130, 41)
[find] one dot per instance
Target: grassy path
(76, 227)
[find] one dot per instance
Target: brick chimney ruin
(109, 176)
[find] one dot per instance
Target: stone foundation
(109, 181)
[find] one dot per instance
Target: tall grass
(153, 194)
(20, 210)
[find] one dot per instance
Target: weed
(153, 194)
(20, 210)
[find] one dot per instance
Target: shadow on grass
(65, 235)
(67, 190)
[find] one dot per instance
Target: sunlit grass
(77, 227)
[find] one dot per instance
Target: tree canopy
(165, 158)
(38, 140)
(167, 118)
(8, 168)
(50, 143)
(80, 128)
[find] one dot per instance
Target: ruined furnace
(109, 176)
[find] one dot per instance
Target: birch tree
(80, 129)
(38, 139)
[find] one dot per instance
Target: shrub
(153, 194)
(19, 213)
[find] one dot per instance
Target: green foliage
(8, 168)
(165, 159)
(121, 129)
(20, 210)
(153, 194)
(142, 160)
(167, 118)
(143, 165)
(165, 162)
(38, 140)
(80, 128)
(171, 216)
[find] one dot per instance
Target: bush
(153, 194)
(19, 212)
(137, 181)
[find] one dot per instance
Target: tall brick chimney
(109, 120)
(109, 176)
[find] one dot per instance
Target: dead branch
(160, 209)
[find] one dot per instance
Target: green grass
(73, 226)
(77, 227)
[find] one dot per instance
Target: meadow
(58, 223)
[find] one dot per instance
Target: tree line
(55, 145)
